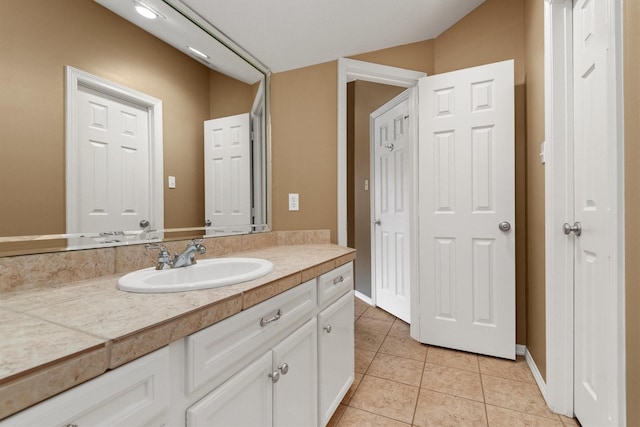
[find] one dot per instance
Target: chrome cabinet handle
(264, 321)
(284, 368)
(337, 280)
(575, 228)
(328, 328)
(275, 376)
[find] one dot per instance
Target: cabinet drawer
(131, 395)
(335, 283)
(214, 353)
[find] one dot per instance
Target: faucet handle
(198, 243)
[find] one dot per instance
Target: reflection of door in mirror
(110, 165)
(227, 143)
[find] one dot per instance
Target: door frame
(395, 101)
(558, 158)
(76, 78)
(350, 70)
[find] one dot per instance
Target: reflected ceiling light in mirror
(146, 11)
(197, 52)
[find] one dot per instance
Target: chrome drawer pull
(264, 321)
(337, 280)
(328, 328)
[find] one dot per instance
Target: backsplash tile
(33, 271)
(39, 270)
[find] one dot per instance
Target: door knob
(504, 226)
(377, 222)
(576, 228)
(328, 329)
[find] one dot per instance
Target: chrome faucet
(186, 258)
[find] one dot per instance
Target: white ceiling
(290, 34)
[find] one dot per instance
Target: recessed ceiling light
(146, 11)
(197, 52)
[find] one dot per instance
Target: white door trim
(558, 57)
(348, 71)
(75, 78)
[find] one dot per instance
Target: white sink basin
(205, 274)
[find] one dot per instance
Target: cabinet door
(295, 399)
(131, 395)
(245, 400)
(336, 355)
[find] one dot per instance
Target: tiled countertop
(56, 337)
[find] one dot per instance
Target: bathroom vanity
(286, 357)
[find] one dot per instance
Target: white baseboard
(363, 297)
(536, 373)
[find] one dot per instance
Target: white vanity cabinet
(134, 394)
(279, 388)
(335, 339)
(298, 379)
(287, 361)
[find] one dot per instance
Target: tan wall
(368, 98)
(536, 306)
(413, 56)
(304, 149)
(632, 204)
(228, 96)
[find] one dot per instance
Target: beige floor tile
(437, 409)
(366, 341)
(404, 347)
(357, 377)
(373, 326)
(333, 422)
(399, 329)
(453, 359)
(516, 395)
(387, 398)
(353, 417)
(395, 368)
(501, 417)
(457, 382)
(363, 359)
(514, 370)
(360, 307)
(378, 313)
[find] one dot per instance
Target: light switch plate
(172, 182)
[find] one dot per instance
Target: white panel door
(595, 376)
(466, 191)
(390, 233)
(113, 152)
(227, 156)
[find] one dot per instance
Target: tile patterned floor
(400, 382)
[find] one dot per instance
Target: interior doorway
(363, 98)
(351, 71)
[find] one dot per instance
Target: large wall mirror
(198, 75)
